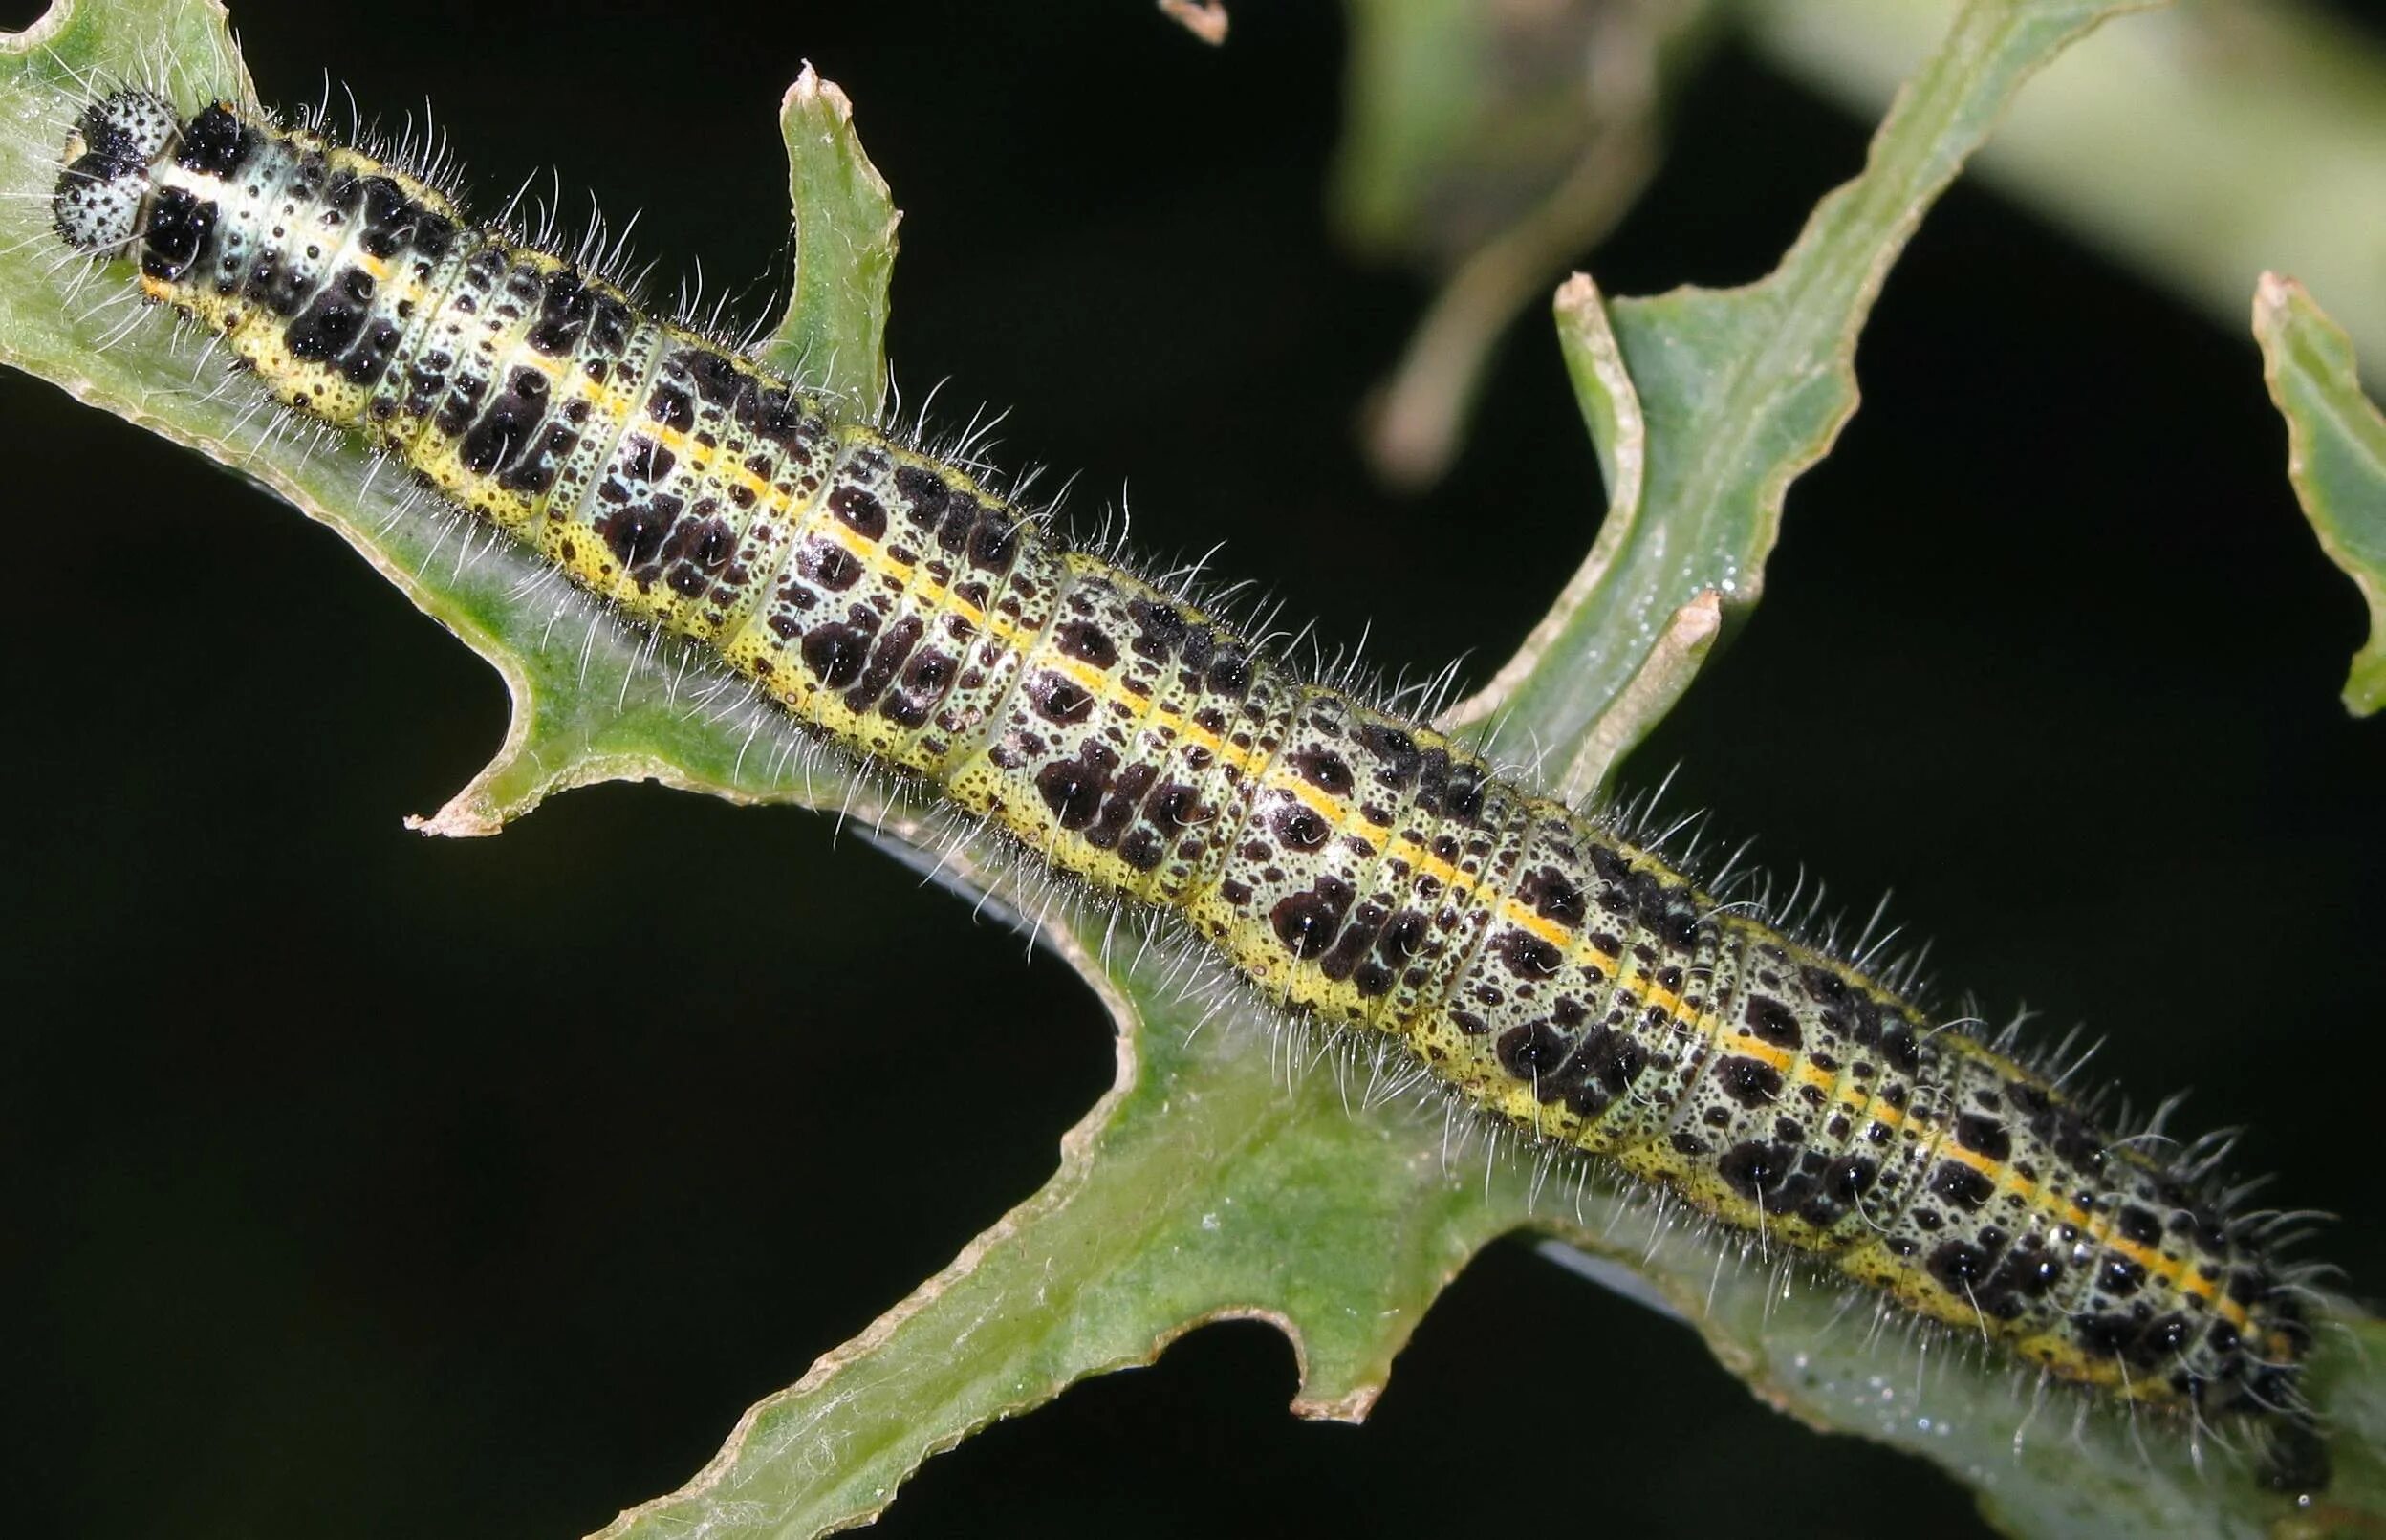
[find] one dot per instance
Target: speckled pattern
(1354, 866)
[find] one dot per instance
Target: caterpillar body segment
(1351, 864)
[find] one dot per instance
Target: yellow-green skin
(1360, 868)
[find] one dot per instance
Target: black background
(362, 1185)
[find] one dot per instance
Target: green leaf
(833, 335)
(2336, 456)
(2165, 144)
(1200, 1187)
(1708, 403)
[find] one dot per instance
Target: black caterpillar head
(108, 157)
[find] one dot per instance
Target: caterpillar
(1362, 869)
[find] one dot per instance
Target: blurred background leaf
(1489, 146)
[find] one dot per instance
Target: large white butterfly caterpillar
(1365, 869)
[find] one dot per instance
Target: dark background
(362, 1185)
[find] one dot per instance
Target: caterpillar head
(109, 153)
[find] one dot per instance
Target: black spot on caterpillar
(1247, 563)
